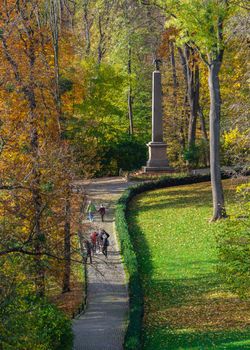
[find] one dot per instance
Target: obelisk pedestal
(157, 161)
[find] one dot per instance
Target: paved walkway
(103, 325)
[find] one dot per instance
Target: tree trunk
(130, 98)
(39, 237)
(192, 77)
(174, 74)
(183, 127)
(183, 63)
(100, 47)
(80, 230)
(87, 26)
(204, 135)
(193, 101)
(67, 246)
(203, 124)
(193, 87)
(55, 10)
(215, 106)
(38, 242)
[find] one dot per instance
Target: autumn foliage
(75, 102)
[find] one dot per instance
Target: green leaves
(65, 84)
(47, 186)
(33, 323)
(133, 335)
(199, 22)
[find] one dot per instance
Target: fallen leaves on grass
(177, 254)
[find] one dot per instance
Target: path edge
(84, 304)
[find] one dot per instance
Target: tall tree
(201, 25)
(130, 97)
(27, 87)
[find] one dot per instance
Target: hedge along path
(103, 324)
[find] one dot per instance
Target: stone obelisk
(157, 148)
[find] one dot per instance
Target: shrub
(192, 155)
(32, 323)
(121, 154)
(234, 254)
(133, 335)
(235, 147)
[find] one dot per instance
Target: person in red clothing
(102, 211)
(93, 238)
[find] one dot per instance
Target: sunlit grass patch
(186, 305)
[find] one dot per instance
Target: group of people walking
(91, 210)
(98, 241)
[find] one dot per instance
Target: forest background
(75, 102)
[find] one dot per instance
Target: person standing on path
(88, 251)
(105, 243)
(99, 240)
(103, 324)
(102, 211)
(91, 209)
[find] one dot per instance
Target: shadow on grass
(200, 197)
(179, 292)
(234, 340)
(200, 323)
(170, 200)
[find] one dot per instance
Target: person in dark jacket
(88, 251)
(105, 243)
(99, 241)
(102, 211)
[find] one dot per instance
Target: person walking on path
(103, 324)
(88, 251)
(99, 240)
(105, 243)
(91, 209)
(93, 238)
(102, 211)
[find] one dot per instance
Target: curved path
(103, 324)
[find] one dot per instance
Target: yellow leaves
(236, 138)
(231, 136)
(242, 188)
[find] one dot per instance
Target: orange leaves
(170, 34)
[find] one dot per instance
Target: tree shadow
(185, 198)
(185, 312)
(231, 339)
(101, 325)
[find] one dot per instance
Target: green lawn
(186, 306)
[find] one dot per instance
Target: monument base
(153, 170)
(157, 158)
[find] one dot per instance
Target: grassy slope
(185, 305)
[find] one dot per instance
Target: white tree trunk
(215, 106)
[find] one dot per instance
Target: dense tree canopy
(75, 102)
